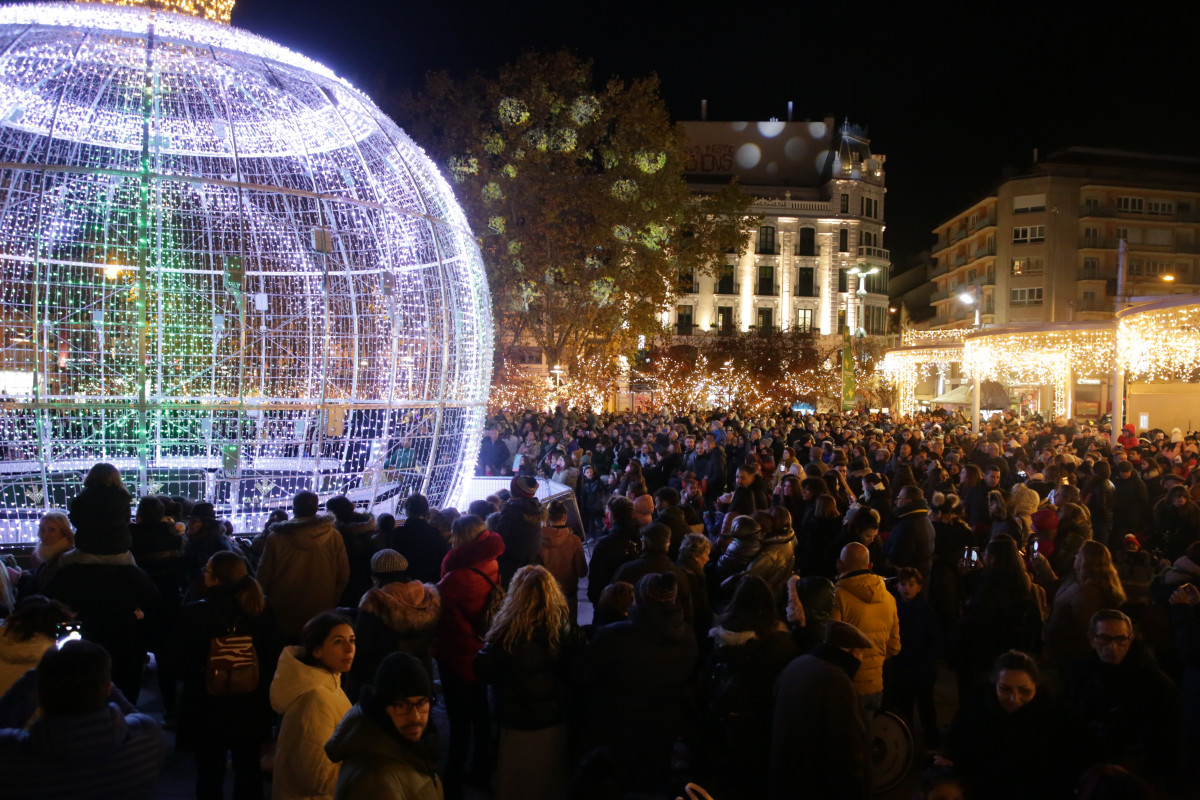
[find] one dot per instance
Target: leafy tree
(578, 199)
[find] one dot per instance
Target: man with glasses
(1128, 707)
(381, 743)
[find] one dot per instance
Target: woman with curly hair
(525, 658)
(1091, 585)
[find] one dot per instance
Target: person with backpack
(471, 594)
(225, 647)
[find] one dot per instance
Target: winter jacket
(740, 554)
(611, 551)
(109, 753)
(997, 617)
(158, 549)
(657, 562)
(376, 761)
(862, 599)
(100, 515)
(910, 543)
(464, 593)
(204, 717)
(1175, 528)
(817, 553)
(635, 676)
(591, 496)
(198, 547)
(702, 614)
(312, 703)
(19, 656)
(675, 519)
(1131, 505)
(423, 546)
(358, 535)
(531, 687)
(395, 618)
(520, 527)
(562, 555)
(1066, 631)
(1067, 542)
(819, 738)
(304, 569)
(1027, 753)
(1129, 712)
(775, 562)
(920, 642)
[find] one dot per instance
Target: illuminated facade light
(1160, 340)
(225, 271)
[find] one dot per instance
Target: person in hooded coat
(819, 740)
(382, 744)
(304, 566)
(419, 542)
(862, 599)
(396, 615)
(634, 677)
(358, 532)
(911, 541)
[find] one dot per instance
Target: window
(725, 280)
(808, 242)
(868, 239)
(1135, 266)
(1123, 233)
(766, 319)
(804, 320)
(1091, 268)
(845, 204)
(841, 326)
(687, 282)
(683, 320)
(805, 282)
(844, 240)
(724, 319)
(1089, 301)
(1130, 205)
(1026, 203)
(766, 279)
(766, 240)
(1025, 297)
(1091, 205)
(842, 280)
(1029, 233)
(1091, 237)
(1164, 207)
(1154, 267)
(1027, 266)
(868, 207)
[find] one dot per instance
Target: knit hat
(399, 676)
(1045, 520)
(204, 511)
(1025, 500)
(844, 635)
(657, 587)
(524, 486)
(388, 561)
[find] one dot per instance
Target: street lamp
(861, 294)
(973, 297)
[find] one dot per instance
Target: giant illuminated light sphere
(223, 270)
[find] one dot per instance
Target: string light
(228, 292)
(1160, 341)
(905, 368)
(216, 10)
(915, 336)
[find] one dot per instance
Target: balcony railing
(985, 251)
(983, 222)
(727, 286)
(816, 251)
(767, 288)
(865, 251)
(685, 329)
(767, 250)
(808, 291)
(1097, 243)
(938, 296)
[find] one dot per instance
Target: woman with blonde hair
(526, 657)
(1092, 585)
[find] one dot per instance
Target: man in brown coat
(304, 565)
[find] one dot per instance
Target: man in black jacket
(820, 747)
(911, 541)
(668, 512)
(619, 545)
(520, 527)
(1131, 505)
(420, 542)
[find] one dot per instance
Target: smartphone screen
(1035, 546)
(974, 555)
(67, 632)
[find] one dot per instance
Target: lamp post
(1118, 372)
(860, 332)
(974, 297)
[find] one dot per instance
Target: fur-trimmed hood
(411, 607)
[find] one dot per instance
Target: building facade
(1043, 246)
(817, 262)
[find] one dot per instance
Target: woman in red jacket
(469, 572)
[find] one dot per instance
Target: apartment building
(1043, 246)
(817, 261)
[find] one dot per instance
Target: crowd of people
(759, 588)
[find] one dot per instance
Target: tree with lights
(577, 196)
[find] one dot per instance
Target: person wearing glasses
(1128, 707)
(381, 743)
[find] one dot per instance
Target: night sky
(953, 94)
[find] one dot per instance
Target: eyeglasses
(1105, 639)
(406, 706)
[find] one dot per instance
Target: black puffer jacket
(520, 527)
(775, 562)
(358, 533)
(746, 545)
(532, 680)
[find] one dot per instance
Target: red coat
(463, 596)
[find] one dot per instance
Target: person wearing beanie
(520, 527)
(656, 541)
(819, 731)
(635, 678)
(396, 615)
(381, 744)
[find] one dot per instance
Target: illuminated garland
(1161, 344)
(216, 10)
(915, 336)
(905, 368)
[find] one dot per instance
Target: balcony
(877, 253)
(727, 286)
(798, 252)
(1096, 274)
(941, 244)
(807, 291)
(985, 222)
(1097, 243)
(937, 297)
(938, 268)
(767, 289)
(1095, 210)
(960, 260)
(985, 251)
(767, 250)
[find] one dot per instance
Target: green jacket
(376, 762)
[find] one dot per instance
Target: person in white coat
(307, 690)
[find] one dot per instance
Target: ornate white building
(817, 262)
